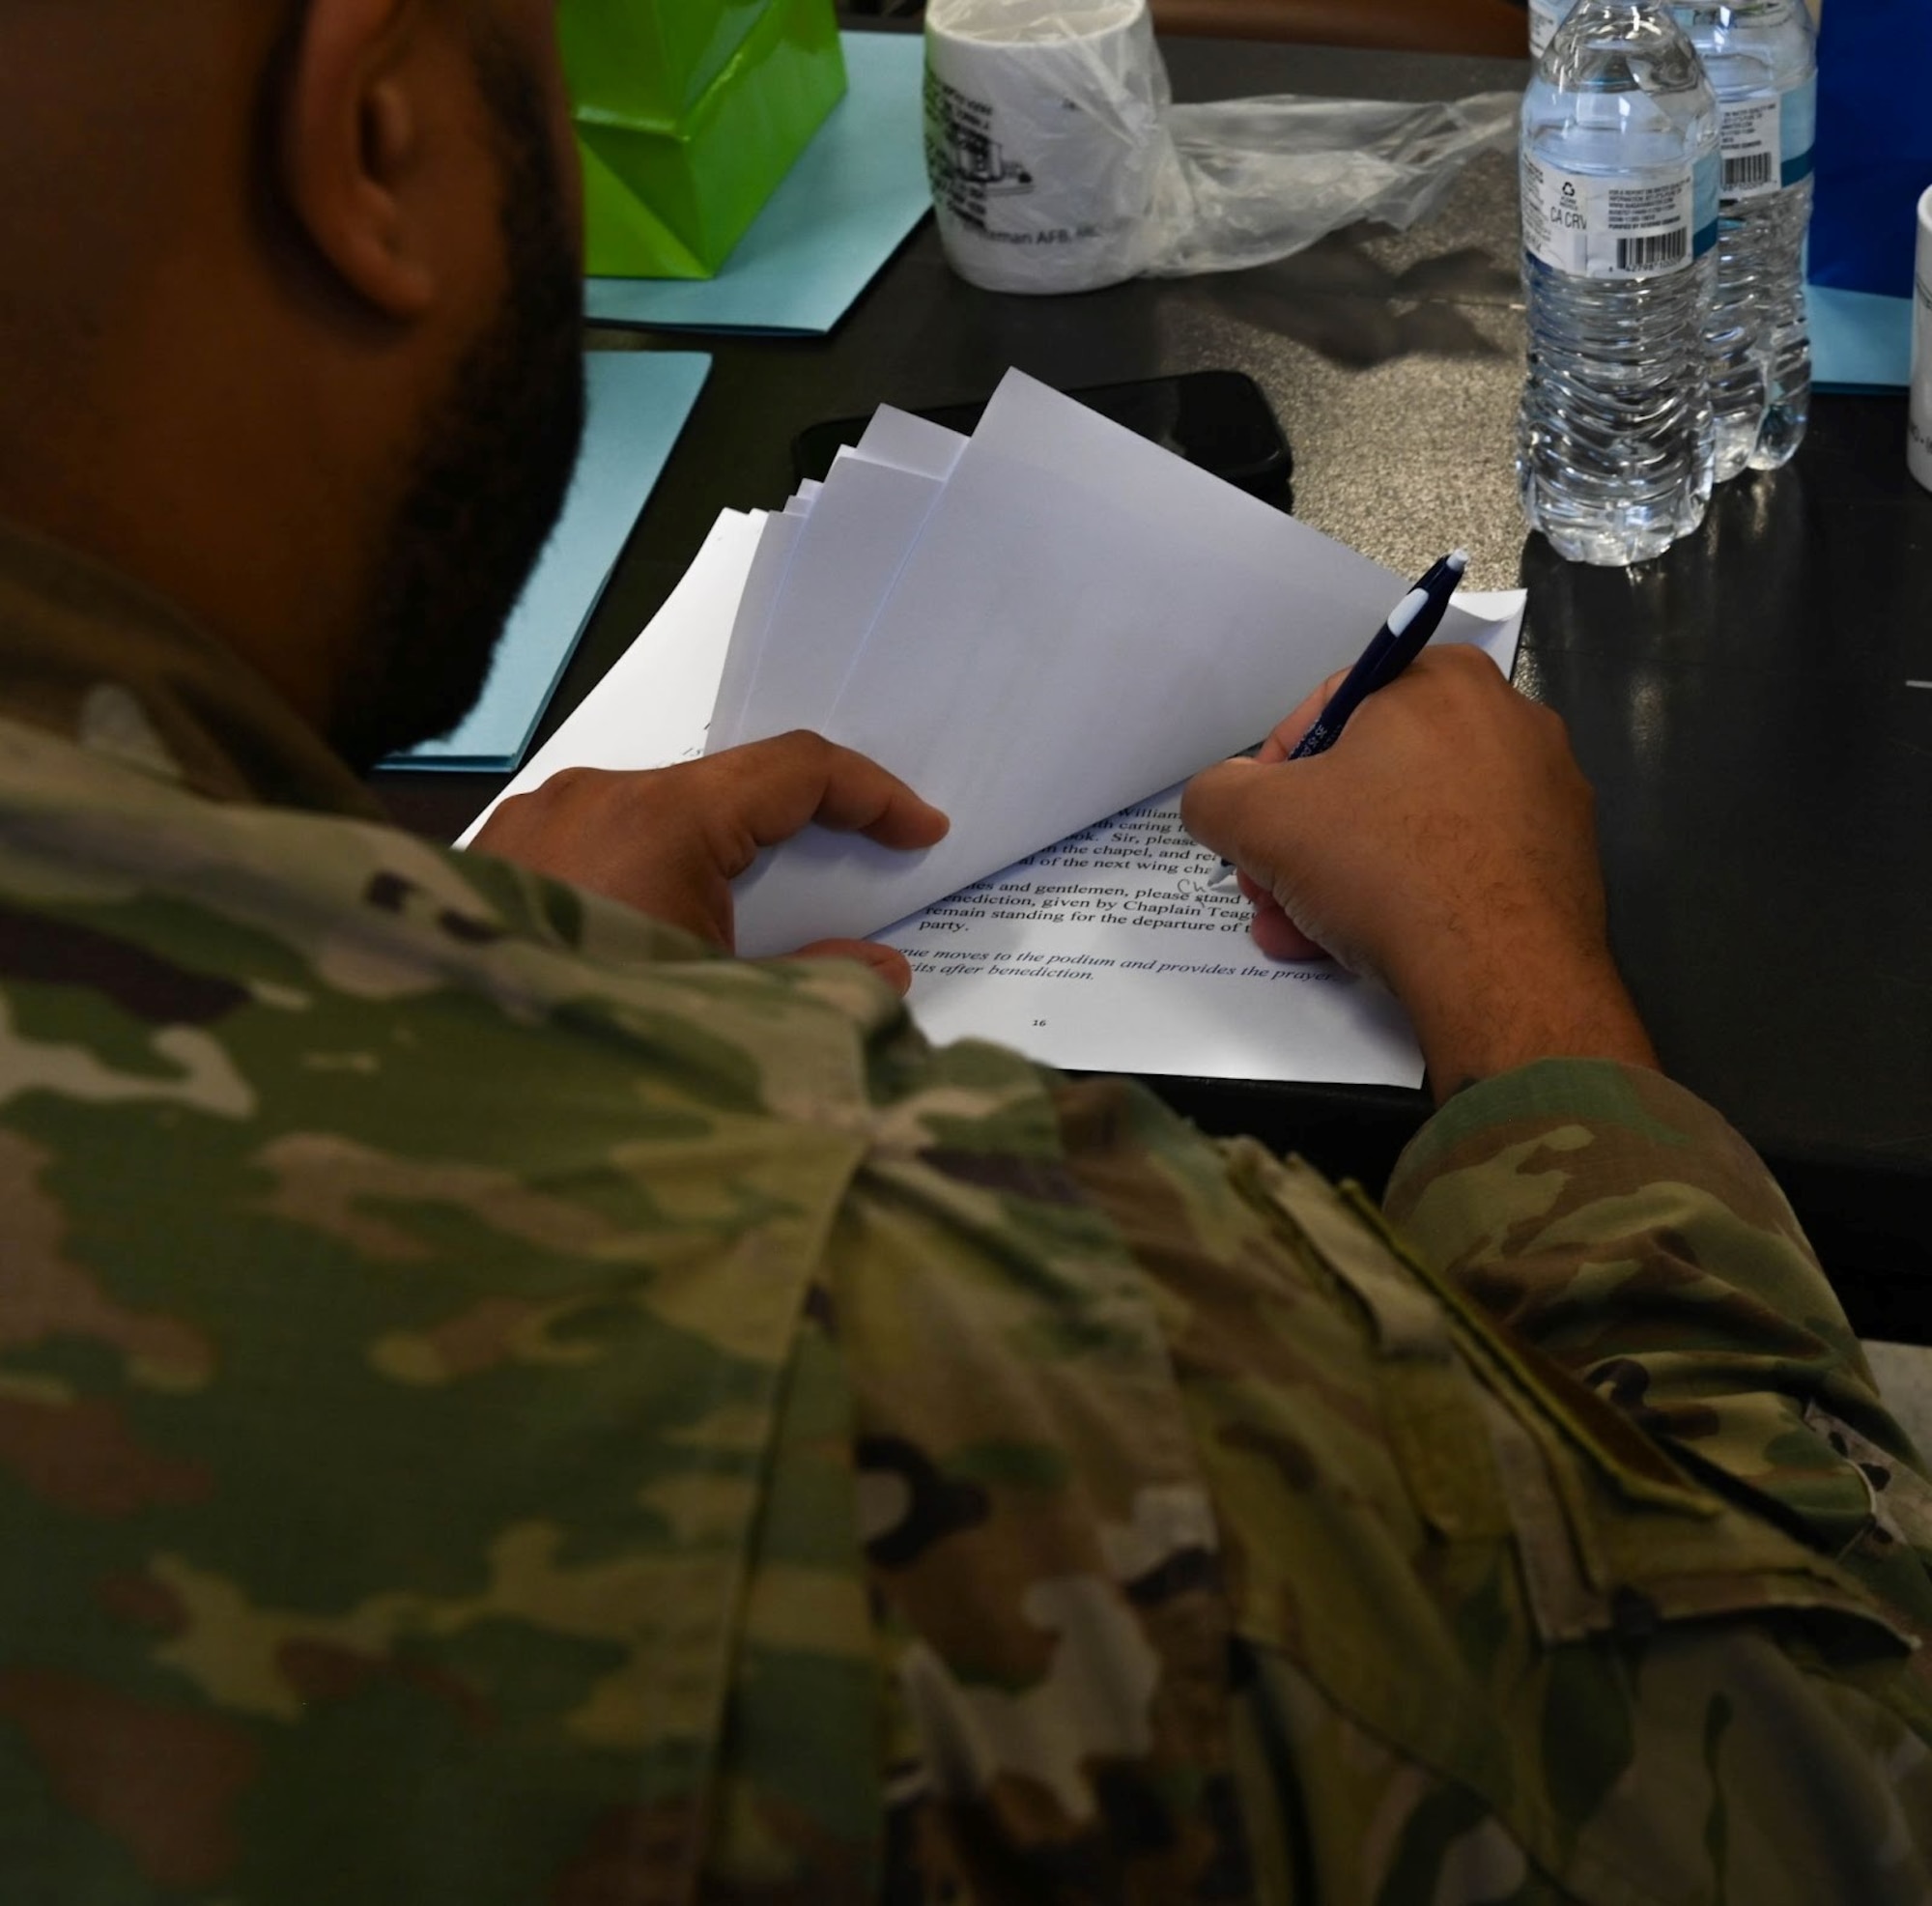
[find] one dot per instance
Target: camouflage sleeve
(1617, 1225)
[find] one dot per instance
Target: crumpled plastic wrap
(1257, 179)
(1058, 160)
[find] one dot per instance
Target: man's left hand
(669, 841)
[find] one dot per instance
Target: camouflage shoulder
(1616, 1223)
(1577, 1159)
(1586, 1122)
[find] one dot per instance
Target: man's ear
(352, 148)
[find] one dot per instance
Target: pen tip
(1458, 562)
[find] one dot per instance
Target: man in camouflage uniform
(501, 1403)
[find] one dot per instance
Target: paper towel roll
(1044, 139)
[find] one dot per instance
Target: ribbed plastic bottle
(1620, 178)
(1762, 60)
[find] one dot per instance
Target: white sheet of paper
(908, 442)
(1113, 951)
(848, 556)
(745, 646)
(1086, 619)
(652, 707)
(819, 607)
(1110, 952)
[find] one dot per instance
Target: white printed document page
(1111, 952)
(1114, 952)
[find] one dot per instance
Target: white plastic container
(1044, 139)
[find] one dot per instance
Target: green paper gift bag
(689, 112)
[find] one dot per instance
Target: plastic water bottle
(1620, 178)
(1761, 57)
(1545, 17)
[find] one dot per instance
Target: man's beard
(493, 469)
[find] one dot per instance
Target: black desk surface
(1764, 773)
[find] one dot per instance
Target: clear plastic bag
(1256, 180)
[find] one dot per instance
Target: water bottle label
(1768, 142)
(1708, 197)
(1797, 130)
(1613, 228)
(1545, 17)
(1753, 145)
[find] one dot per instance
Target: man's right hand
(1446, 847)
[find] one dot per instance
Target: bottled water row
(1666, 189)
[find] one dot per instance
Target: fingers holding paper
(1445, 845)
(1273, 930)
(669, 841)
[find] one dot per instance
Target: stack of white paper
(1039, 628)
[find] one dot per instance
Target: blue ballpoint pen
(1391, 649)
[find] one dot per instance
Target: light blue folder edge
(1858, 341)
(843, 208)
(639, 402)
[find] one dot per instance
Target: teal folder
(639, 402)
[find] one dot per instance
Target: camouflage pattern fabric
(497, 1405)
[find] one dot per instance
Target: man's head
(494, 459)
(294, 285)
